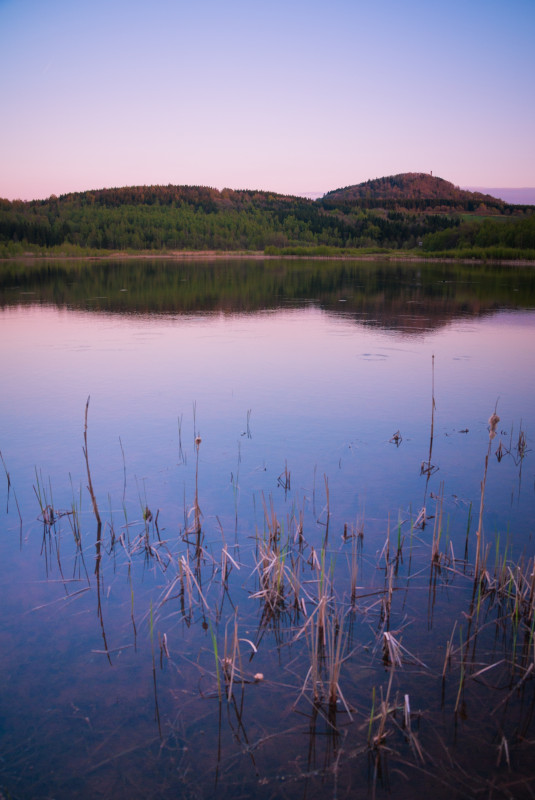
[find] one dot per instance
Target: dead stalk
(493, 423)
(89, 481)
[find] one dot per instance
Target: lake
(244, 551)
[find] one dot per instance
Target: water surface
(313, 388)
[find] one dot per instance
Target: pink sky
(294, 97)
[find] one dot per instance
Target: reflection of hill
(405, 297)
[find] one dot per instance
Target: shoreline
(257, 255)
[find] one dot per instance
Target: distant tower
(431, 173)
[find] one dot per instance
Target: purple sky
(290, 96)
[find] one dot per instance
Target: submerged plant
(320, 600)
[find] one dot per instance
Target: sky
(290, 96)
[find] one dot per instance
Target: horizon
(520, 195)
(279, 97)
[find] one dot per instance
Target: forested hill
(210, 200)
(410, 190)
(402, 211)
(398, 190)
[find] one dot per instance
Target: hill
(209, 199)
(409, 211)
(410, 189)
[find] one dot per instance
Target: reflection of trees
(395, 296)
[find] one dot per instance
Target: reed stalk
(372, 715)
(181, 456)
(197, 510)
(493, 423)
(89, 481)
(462, 672)
(437, 527)
(10, 489)
(156, 706)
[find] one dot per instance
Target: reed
(299, 586)
(521, 446)
(324, 631)
(216, 658)
(468, 524)
(462, 672)
(384, 711)
(371, 719)
(285, 479)
(437, 527)
(493, 424)
(156, 706)
(427, 468)
(387, 595)
(273, 574)
(47, 511)
(89, 481)
(191, 580)
(10, 489)
(132, 617)
(196, 508)
(181, 455)
(400, 540)
(232, 664)
(354, 569)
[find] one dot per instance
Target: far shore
(258, 255)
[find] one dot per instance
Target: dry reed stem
(493, 422)
(394, 651)
(89, 481)
(437, 527)
(378, 739)
(10, 488)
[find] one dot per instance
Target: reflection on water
(402, 297)
(271, 591)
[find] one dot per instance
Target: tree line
(202, 218)
(517, 234)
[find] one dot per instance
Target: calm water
(310, 386)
